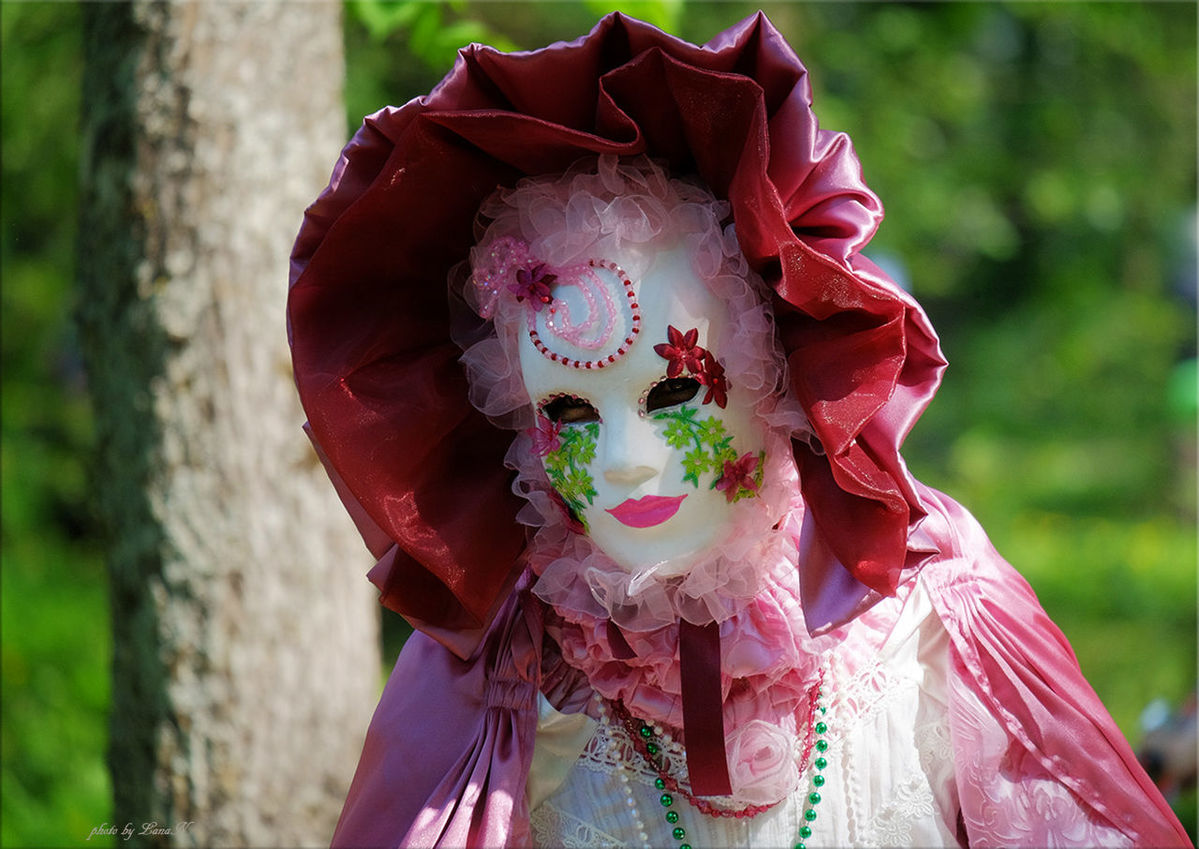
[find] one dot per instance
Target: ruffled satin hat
(420, 470)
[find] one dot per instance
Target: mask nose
(628, 450)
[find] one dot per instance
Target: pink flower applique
(680, 351)
(761, 763)
(738, 475)
(713, 377)
(545, 436)
(534, 284)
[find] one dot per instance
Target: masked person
(590, 351)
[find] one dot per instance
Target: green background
(1037, 162)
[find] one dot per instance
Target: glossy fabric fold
(447, 753)
(1009, 658)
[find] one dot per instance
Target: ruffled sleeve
(1039, 760)
(447, 754)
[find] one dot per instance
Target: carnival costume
(852, 664)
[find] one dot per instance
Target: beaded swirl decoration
(510, 270)
(645, 737)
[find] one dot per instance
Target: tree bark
(245, 637)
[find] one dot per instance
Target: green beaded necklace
(818, 765)
(644, 741)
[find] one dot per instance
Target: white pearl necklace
(622, 774)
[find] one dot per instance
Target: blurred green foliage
(1037, 161)
(432, 38)
(54, 786)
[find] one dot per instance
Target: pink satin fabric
(448, 750)
(1015, 680)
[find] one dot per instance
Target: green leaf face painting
(709, 448)
(706, 446)
(567, 466)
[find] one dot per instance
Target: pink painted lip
(647, 511)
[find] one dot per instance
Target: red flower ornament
(713, 377)
(681, 352)
(534, 284)
(545, 436)
(738, 476)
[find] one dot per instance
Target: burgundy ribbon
(703, 709)
(621, 650)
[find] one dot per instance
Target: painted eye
(567, 409)
(671, 392)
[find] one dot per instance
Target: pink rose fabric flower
(762, 766)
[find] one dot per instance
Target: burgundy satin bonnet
(369, 322)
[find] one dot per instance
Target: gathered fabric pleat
(1039, 760)
(447, 754)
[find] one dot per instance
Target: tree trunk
(246, 659)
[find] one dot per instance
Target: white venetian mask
(637, 428)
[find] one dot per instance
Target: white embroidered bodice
(889, 776)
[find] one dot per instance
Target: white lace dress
(889, 779)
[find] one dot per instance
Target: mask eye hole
(569, 409)
(671, 392)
